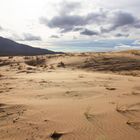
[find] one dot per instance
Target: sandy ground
(70, 97)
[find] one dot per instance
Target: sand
(70, 97)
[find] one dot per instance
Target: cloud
(122, 19)
(30, 37)
(121, 35)
(25, 37)
(77, 29)
(137, 25)
(66, 29)
(96, 17)
(68, 23)
(67, 20)
(68, 7)
(89, 32)
(54, 36)
(64, 22)
(117, 19)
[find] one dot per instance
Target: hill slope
(9, 47)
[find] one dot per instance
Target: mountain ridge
(9, 47)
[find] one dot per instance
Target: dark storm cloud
(68, 23)
(96, 17)
(137, 24)
(122, 19)
(30, 37)
(64, 22)
(66, 29)
(89, 32)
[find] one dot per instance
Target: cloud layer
(105, 21)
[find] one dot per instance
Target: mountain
(9, 47)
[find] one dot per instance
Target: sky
(72, 25)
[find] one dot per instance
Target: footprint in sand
(128, 108)
(88, 115)
(132, 113)
(11, 112)
(134, 124)
(135, 93)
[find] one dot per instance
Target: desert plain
(72, 96)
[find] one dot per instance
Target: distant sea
(94, 45)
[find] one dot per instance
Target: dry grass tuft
(52, 67)
(134, 52)
(61, 64)
(38, 61)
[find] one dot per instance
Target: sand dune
(85, 96)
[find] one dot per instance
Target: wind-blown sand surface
(87, 96)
